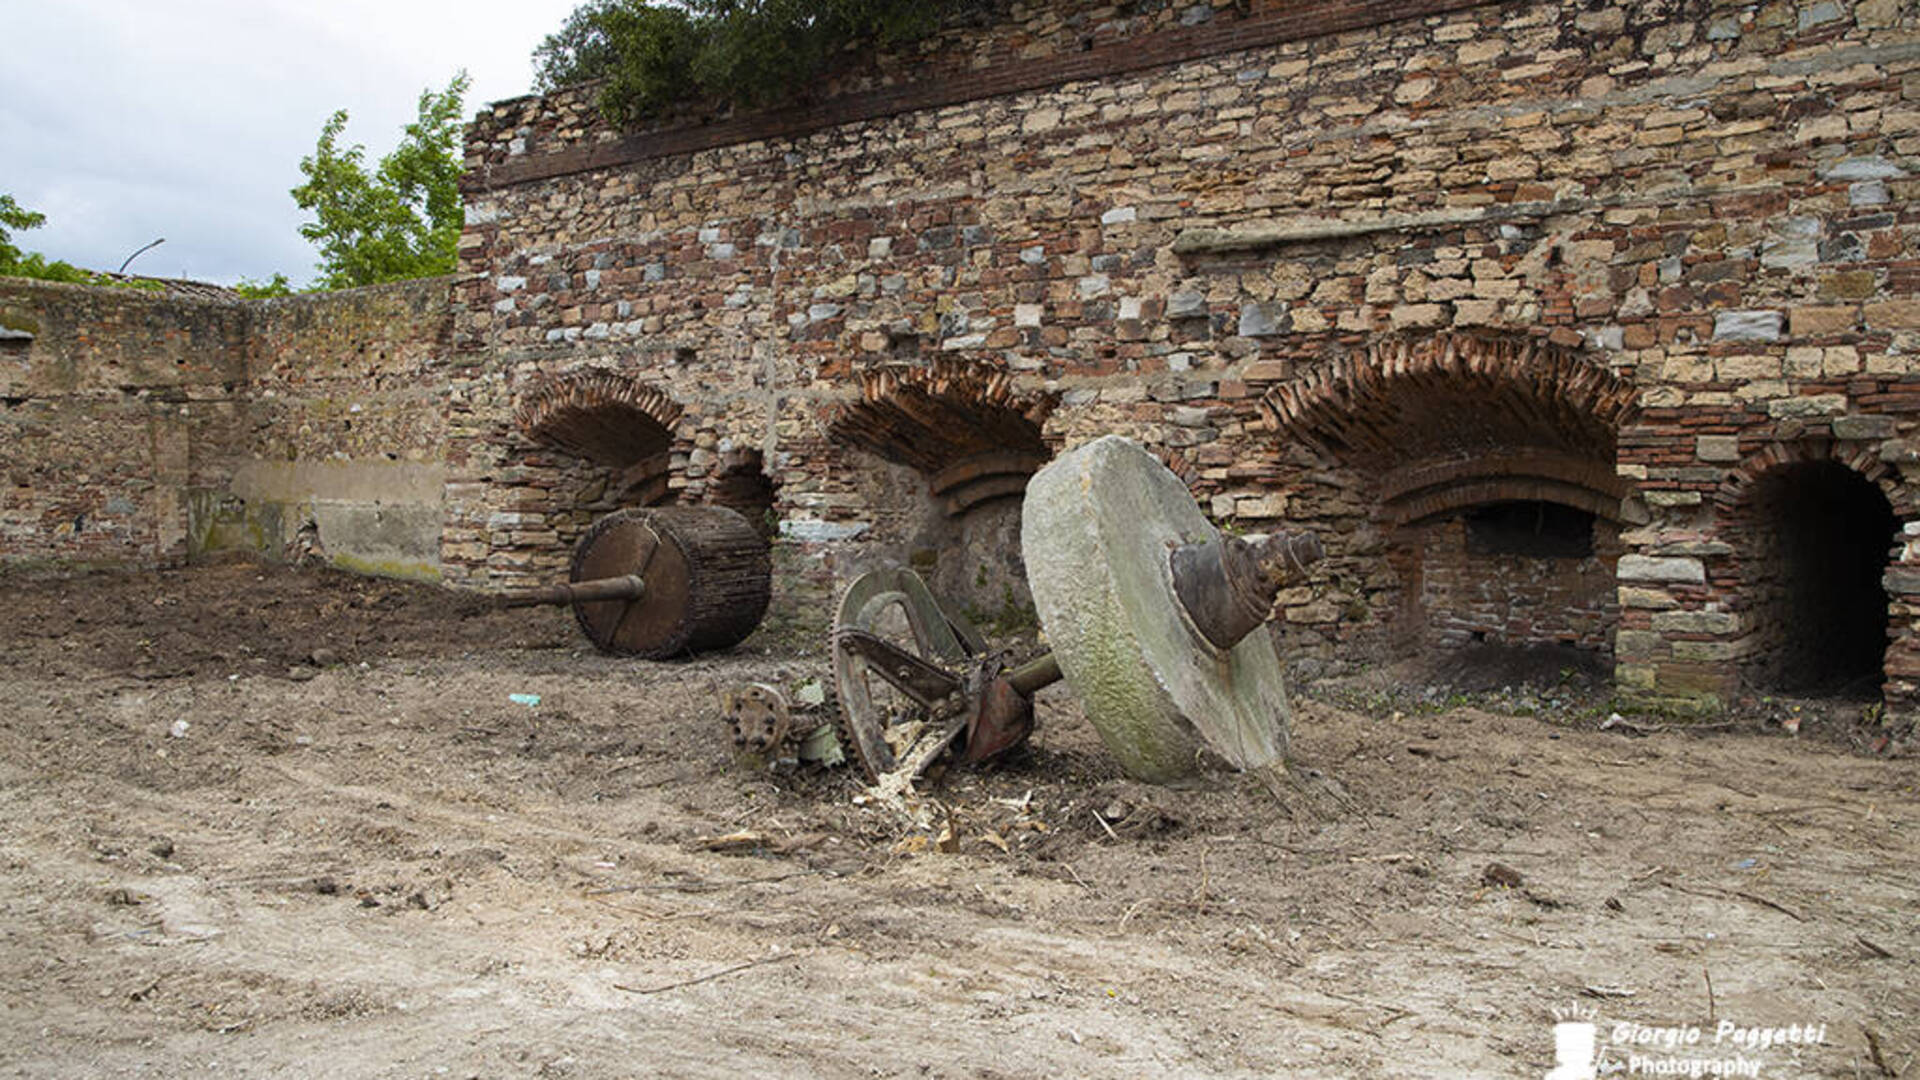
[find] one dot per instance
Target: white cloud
(126, 120)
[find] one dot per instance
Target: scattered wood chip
(709, 977)
(1879, 1056)
(1774, 904)
(1604, 991)
(744, 840)
(1502, 876)
(1872, 948)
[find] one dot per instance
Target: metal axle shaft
(624, 587)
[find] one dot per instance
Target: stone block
(1901, 580)
(1817, 319)
(1747, 368)
(1863, 427)
(1698, 651)
(1862, 168)
(1637, 644)
(1899, 452)
(1717, 447)
(1697, 622)
(1807, 407)
(1645, 599)
(1748, 325)
(1635, 676)
(1262, 319)
(1893, 314)
(1186, 304)
(1661, 568)
(1693, 547)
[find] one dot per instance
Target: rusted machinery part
(707, 576)
(862, 614)
(941, 674)
(1227, 584)
(760, 717)
(1000, 717)
(624, 587)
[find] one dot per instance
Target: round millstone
(1097, 527)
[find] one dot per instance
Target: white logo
(1576, 1044)
(1584, 1050)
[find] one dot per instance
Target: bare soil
(359, 857)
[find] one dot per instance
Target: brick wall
(1172, 224)
(1467, 596)
(1360, 268)
(119, 404)
(149, 428)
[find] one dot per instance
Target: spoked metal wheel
(900, 666)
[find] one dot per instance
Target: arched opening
(1487, 462)
(1821, 534)
(974, 437)
(596, 440)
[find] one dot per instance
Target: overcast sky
(127, 120)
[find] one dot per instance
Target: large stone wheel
(1097, 531)
(707, 574)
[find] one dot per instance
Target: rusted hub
(760, 717)
(1227, 585)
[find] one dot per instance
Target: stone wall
(150, 428)
(1369, 267)
(344, 452)
(116, 405)
(1663, 239)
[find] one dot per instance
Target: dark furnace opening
(1820, 595)
(1542, 530)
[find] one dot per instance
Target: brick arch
(1457, 420)
(1788, 553)
(603, 416)
(965, 426)
(1736, 491)
(1453, 395)
(1428, 490)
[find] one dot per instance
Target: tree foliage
(401, 219)
(743, 52)
(277, 285)
(32, 264)
(14, 216)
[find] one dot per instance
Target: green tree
(15, 216)
(400, 220)
(32, 264)
(277, 285)
(742, 52)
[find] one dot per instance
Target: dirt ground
(260, 822)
